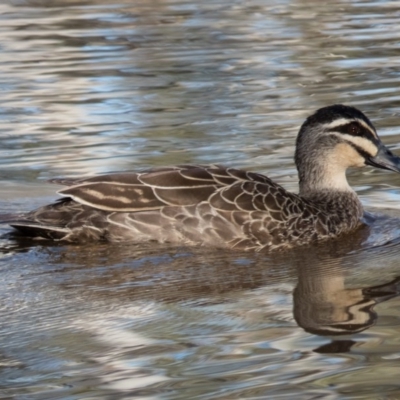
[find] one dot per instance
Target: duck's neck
(322, 166)
(322, 178)
(326, 186)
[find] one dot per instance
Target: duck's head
(333, 139)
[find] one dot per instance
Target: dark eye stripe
(355, 129)
(349, 129)
(362, 152)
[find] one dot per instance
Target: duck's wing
(182, 185)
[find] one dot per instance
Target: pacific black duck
(220, 206)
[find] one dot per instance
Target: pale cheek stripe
(363, 143)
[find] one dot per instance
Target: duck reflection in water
(323, 305)
(323, 302)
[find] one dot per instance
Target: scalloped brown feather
(210, 205)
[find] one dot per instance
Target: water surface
(90, 87)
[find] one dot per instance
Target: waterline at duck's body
(225, 207)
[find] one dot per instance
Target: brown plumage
(224, 207)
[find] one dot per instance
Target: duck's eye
(353, 129)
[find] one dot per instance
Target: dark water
(90, 87)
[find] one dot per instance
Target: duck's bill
(385, 159)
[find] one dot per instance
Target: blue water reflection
(90, 87)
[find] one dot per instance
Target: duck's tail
(27, 227)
